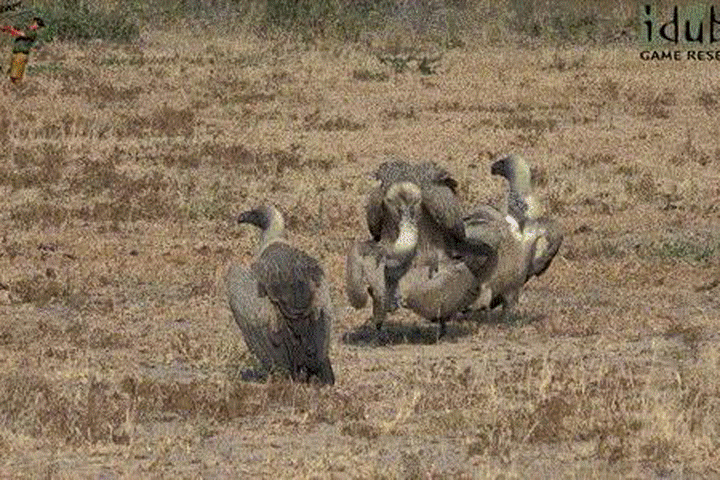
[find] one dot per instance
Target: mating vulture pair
(447, 269)
(481, 259)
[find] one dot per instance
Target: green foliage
(346, 19)
(45, 68)
(356, 17)
(683, 249)
(313, 14)
(76, 20)
(446, 23)
(569, 28)
(563, 27)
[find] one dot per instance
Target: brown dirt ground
(122, 167)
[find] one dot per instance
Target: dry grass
(122, 168)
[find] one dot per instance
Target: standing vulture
(448, 269)
(527, 239)
(375, 267)
(282, 304)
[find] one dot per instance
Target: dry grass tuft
(39, 289)
(32, 214)
(364, 75)
(658, 105)
(33, 406)
(171, 122)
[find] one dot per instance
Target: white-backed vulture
(282, 304)
(529, 213)
(526, 239)
(438, 291)
(448, 269)
(375, 267)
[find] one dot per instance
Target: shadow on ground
(495, 317)
(254, 375)
(394, 333)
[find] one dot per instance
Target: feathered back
(289, 278)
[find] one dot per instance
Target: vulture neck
(521, 201)
(407, 239)
(520, 180)
(274, 230)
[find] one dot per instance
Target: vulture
(440, 223)
(448, 268)
(374, 267)
(282, 304)
(526, 239)
(437, 293)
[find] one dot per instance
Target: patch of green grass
(44, 68)
(304, 14)
(562, 23)
(204, 208)
(441, 23)
(687, 250)
(77, 20)
(115, 61)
